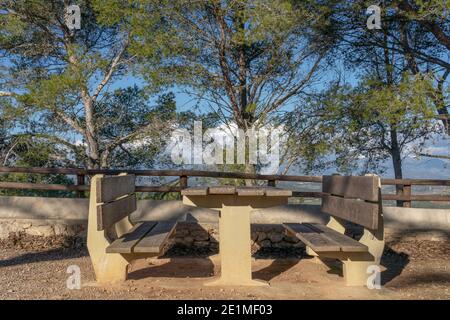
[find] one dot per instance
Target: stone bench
(113, 241)
(356, 200)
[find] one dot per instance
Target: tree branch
(71, 122)
(6, 94)
(297, 88)
(438, 156)
(114, 63)
(431, 26)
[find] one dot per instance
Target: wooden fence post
(407, 192)
(183, 182)
(272, 183)
(81, 182)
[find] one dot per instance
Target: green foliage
(123, 114)
(62, 80)
(403, 72)
(29, 152)
(245, 60)
(252, 62)
(242, 58)
(309, 135)
(403, 105)
(367, 116)
(430, 9)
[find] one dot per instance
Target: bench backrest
(353, 198)
(116, 199)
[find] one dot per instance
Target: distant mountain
(426, 168)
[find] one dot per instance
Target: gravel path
(37, 269)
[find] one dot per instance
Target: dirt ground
(38, 270)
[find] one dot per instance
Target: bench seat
(347, 199)
(144, 237)
(320, 238)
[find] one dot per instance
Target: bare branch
(112, 68)
(438, 156)
(6, 94)
(71, 122)
(294, 91)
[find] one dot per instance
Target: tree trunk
(91, 138)
(397, 163)
(90, 134)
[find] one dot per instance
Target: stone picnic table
(235, 205)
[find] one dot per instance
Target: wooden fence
(403, 194)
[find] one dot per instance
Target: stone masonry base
(204, 235)
(201, 235)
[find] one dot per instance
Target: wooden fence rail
(404, 186)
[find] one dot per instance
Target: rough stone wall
(204, 235)
(42, 228)
(201, 235)
(48, 217)
(207, 235)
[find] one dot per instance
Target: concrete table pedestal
(235, 232)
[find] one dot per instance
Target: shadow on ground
(176, 268)
(189, 261)
(186, 261)
(428, 279)
(394, 262)
(276, 268)
(41, 256)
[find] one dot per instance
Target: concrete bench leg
(355, 272)
(108, 267)
(355, 265)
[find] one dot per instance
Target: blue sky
(413, 167)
